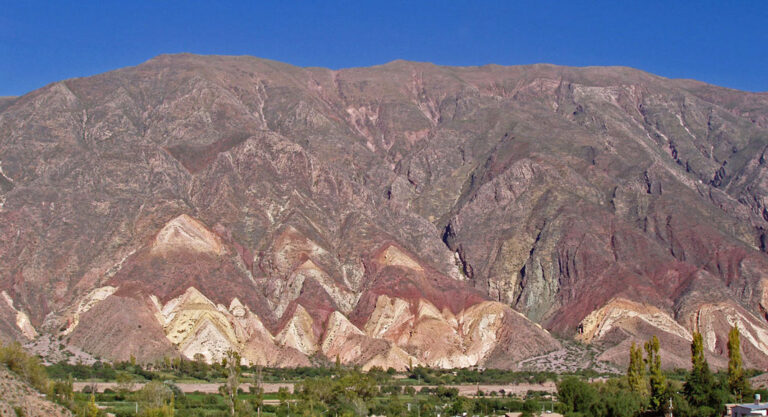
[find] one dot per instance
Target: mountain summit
(400, 214)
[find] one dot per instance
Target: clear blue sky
(721, 42)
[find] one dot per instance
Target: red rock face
(314, 193)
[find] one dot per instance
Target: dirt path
(207, 387)
(517, 389)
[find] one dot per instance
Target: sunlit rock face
(10, 317)
(186, 234)
(197, 327)
(393, 215)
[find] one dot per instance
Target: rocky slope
(19, 398)
(397, 214)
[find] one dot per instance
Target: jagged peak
(394, 256)
(193, 296)
(208, 337)
(308, 264)
(298, 332)
(338, 320)
(338, 330)
(389, 313)
(185, 233)
(237, 308)
(428, 310)
(183, 317)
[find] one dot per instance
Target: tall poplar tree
(231, 364)
(658, 382)
(703, 391)
(737, 381)
(699, 382)
(636, 370)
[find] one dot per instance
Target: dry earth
(16, 394)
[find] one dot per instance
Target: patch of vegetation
(644, 391)
(29, 368)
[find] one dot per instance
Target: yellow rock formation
(442, 339)
(338, 329)
(186, 234)
(395, 257)
(480, 325)
(712, 320)
(22, 320)
(195, 325)
(394, 357)
(390, 319)
(601, 321)
(298, 333)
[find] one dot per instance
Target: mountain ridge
(550, 190)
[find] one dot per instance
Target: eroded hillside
(405, 213)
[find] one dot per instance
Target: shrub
(26, 366)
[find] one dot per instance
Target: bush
(577, 395)
(392, 389)
(26, 366)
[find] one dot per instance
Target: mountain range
(398, 215)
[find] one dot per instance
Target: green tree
(231, 365)
(460, 406)
(576, 395)
(63, 391)
(657, 381)
(636, 370)
(699, 380)
(155, 400)
(737, 381)
(167, 409)
(394, 407)
(283, 396)
(702, 390)
(257, 389)
(89, 409)
(349, 394)
(616, 401)
(125, 383)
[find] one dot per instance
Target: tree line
(645, 390)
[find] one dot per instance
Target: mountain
(400, 214)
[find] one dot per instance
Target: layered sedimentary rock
(146, 320)
(404, 213)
